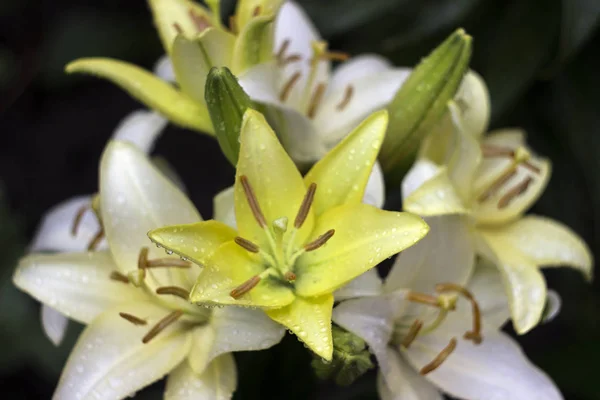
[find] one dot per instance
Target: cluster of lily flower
(283, 248)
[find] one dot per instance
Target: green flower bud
(422, 101)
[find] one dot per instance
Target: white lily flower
(427, 341)
(311, 109)
(139, 326)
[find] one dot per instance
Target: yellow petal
(193, 59)
(491, 211)
(437, 196)
(341, 176)
(231, 266)
(196, 242)
(523, 282)
(310, 320)
(254, 45)
(364, 236)
(544, 242)
(149, 89)
(276, 181)
(246, 10)
(172, 15)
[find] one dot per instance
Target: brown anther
(475, 334)
(315, 100)
(305, 206)
(246, 244)
(335, 56)
(423, 298)
(253, 202)
(200, 21)
(292, 58)
(346, 99)
(531, 167)
(320, 241)
(491, 151)
(257, 10)
(497, 185)
(233, 27)
(174, 290)
(78, 218)
(96, 240)
(178, 28)
(161, 325)
(440, 358)
(412, 333)
(119, 277)
(245, 287)
(284, 46)
(167, 263)
(290, 276)
(514, 192)
(287, 88)
(133, 319)
(143, 258)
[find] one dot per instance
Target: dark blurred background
(541, 60)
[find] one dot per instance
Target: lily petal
(490, 211)
(359, 67)
(170, 16)
(364, 236)
(254, 44)
(77, 285)
(275, 180)
(435, 197)
(446, 254)
(405, 382)
(163, 68)
(149, 89)
(544, 242)
(136, 198)
(375, 189)
(110, 360)
(223, 206)
(217, 382)
(494, 369)
(553, 306)
(54, 324)
(367, 284)
(487, 287)
(55, 231)
(343, 173)
(310, 320)
(193, 58)
(196, 242)
(141, 128)
(246, 10)
(231, 266)
(473, 100)
(421, 171)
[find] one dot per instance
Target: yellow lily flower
(139, 326)
(495, 179)
(298, 239)
(195, 41)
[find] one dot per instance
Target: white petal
(362, 66)
(137, 198)
(375, 190)
(445, 254)
(141, 128)
(553, 306)
(54, 324)
(473, 99)
(110, 361)
(217, 382)
(488, 289)
(367, 284)
(421, 171)
(260, 83)
(55, 231)
(495, 369)
(224, 210)
(164, 69)
(75, 284)
(405, 383)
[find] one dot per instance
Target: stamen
(335, 56)
(161, 325)
(233, 27)
(497, 185)
(246, 244)
(78, 218)
(292, 58)
(514, 192)
(257, 10)
(142, 262)
(475, 334)
(315, 100)
(119, 277)
(199, 20)
(287, 88)
(133, 319)
(290, 276)
(440, 358)
(178, 28)
(96, 240)
(531, 167)
(174, 290)
(346, 99)
(305, 206)
(491, 151)
(253, 202)
(245, 287)
(412, 333)
(320, 241)
(284, 46)
(167, 262)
